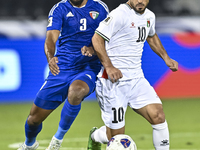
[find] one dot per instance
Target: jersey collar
(128, 6)
(134, 10)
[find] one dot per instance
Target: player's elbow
(94, 38)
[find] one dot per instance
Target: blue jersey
(77, 26)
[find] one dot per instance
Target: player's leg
(154, 114)
(33, 123)
(97, 137)
(112, 132)
(113, 103)
(82, 86)
(104, 134)
(33, 126)
(77, 91)
(48, 99)
(147, 104)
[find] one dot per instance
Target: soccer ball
(121, 142)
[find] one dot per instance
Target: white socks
(161, 136)
(100, 136)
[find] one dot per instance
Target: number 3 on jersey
(83, 23)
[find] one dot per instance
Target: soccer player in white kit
(119, 42)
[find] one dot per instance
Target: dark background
(39, 9)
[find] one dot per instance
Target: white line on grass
(16, 145)
(70, 140)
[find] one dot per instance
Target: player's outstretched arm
(156, 45)
(99, 46)
(49, 47)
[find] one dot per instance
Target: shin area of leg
(161, 136)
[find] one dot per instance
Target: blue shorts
(55, 89)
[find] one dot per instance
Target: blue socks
(60, 133)
(31, 132)
(68, 115)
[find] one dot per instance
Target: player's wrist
(108, 66)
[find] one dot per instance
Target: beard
(139, 10)
(76, 2)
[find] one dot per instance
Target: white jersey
(125, 32)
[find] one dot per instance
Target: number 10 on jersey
(118, 114)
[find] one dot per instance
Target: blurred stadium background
(23, 65)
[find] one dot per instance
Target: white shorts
(114, 98)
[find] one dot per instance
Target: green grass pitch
(183, 118)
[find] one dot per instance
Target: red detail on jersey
(132, 25)
(148, 23)
(91, 15)
(188, 39)
(183, 83)
(105, 75)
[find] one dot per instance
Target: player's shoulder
(120, 12)
(64, 4)
(121, 9)
(149, 12)
(101, 4)
(59, 5)
(115, 14)
(59, 8)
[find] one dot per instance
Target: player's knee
(76, 95)
(33, 121)
(158, 117)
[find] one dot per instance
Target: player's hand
(87, 51)
(53, 66)
(114, 74)
(172, 64)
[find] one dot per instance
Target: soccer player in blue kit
(72, 75)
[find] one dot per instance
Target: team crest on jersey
(148, 23)
(94, 14)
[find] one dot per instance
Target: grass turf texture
(182, 116)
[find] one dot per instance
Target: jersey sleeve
(152, 29)
(55, 18)
(109, 26)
